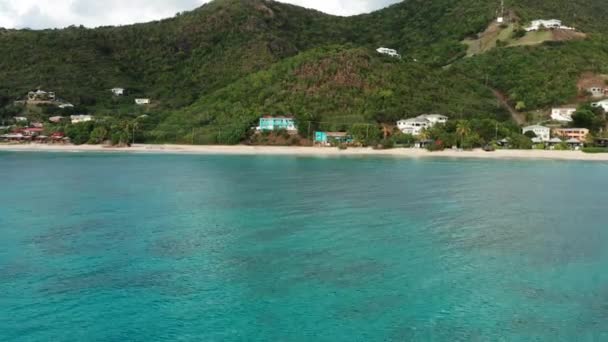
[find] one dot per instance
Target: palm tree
(463, 129)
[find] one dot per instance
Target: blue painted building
(327, 138)
(273, 123)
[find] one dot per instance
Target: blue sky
(38, 14)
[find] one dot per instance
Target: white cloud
(39, 14)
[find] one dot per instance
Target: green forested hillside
(230, 61)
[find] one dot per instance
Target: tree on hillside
(463, 129)
(585, 118)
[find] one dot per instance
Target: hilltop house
(273, 123)
(562, 114)
(551, 24)
(542, 132)
(141, 102)
(579, 134)
(601, 104)
(66, 105)
(414, 126)
(56, 119)
(40, 96)
(80, 118)
(597, 92)
(118, 91)
(389, 52)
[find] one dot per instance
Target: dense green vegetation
(213, 71)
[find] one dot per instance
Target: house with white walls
(389, 52)
(601, 104)
(118, 91)
(542, 132)
(562, 114)
(80, 118)
(551, 24)
(141, 102)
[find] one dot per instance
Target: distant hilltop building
(66, 105)
(40, 96)
(551, 24)
(274, 123)
(388, 52)
(118, 91)
(141, 102)
(601, 104)
(80, 118)
(562, 114)
(415, 126)
(597, 92)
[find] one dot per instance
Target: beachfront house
(601, 104)
(274, 123)
(415, 126)
(541, 132)
(80, 118)
(552, 24)
(118, 91)
(388, 52)
(562, 114)
(141, 102)
(32, 132)
(579, 134)
(330, 138)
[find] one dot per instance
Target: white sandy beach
(311, 151)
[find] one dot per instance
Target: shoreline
(309, 151)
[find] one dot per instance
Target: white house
(414, 126)
(542, 132)
(601, 104)
(536, 25)
(389, 52)
(20, 119)
(562, 114)
(597, 92)
(80, 118)
(66, 105)
(141, 102)
(40, 95)
(118, 91)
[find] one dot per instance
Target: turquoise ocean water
(217, 248)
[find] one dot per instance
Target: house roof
(433, 116)
(417, 119)
(573, 141)
(556, 140)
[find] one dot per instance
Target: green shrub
(595, 149)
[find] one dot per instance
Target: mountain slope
(333, 88)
